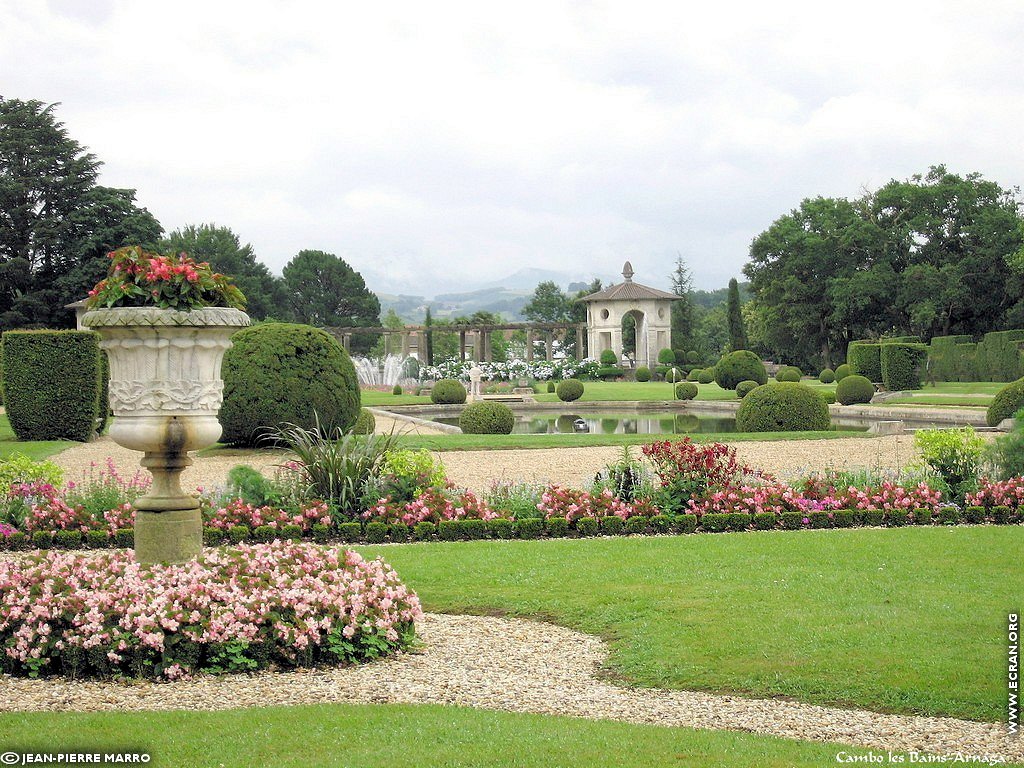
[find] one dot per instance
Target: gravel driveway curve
(518, 666)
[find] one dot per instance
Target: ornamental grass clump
(234, 610)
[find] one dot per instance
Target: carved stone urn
(165, 392)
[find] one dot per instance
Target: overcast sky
(437, 145)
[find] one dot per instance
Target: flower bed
(232, 610)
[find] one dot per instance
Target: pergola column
(488, 352)
(462, 346)
(549, 351)
(579, 342)
(406, 347)
(478, 345)
(346, 341)
(529, 345)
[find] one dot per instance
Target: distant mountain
(412, 309)
(527, 279)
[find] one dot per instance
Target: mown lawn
(907, 620)
(10, 445)
(400, 737)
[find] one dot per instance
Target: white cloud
(438, 144)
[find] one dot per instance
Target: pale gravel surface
(515, 665)
(477, 470)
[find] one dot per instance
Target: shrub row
(535, 527)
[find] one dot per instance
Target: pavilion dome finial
(627, 271)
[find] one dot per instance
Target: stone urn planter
(165, 392)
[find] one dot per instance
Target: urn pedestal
(165, 392)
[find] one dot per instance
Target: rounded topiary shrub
(643, 373)
(396, 390)
(487, 418)
(448, 392)
(1007, 402)
(744, 388)
(667, 357)
(827, 376)
(741, 365)
(278, 373)
(855, 389)
(551, 387)
(365, 423)
(789, 373)
(694, 374)
(842, 371)
(608, 357)
(674, 374)
(828, 395)
(693, 357)
(569, 390)
(686, 390)
(706, 376)
(785, 407)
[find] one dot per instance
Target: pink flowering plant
(138, 278)
(231, 610)
(572, 504)
(430, 505)
(239, 512)
(998, 493)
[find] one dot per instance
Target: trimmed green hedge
(365, 423)
(789, 373)
(738, 366)
(1007, 402)
(744, 388)
(952, 358)
(487, 418)
(686, 390)
(448, 392)
(569, 390)
(865, 359)
(786, 407)
(52, 383)
(854, 389)
(706, 376)
(286, 372)
(902, 365)
(998, 356)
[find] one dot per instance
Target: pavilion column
(579, 343)
(549, 346)
(529, 345)
(478, 345)
(406, 347)
(462, 346)
(487, 347)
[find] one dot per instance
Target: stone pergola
(651, 308)
(474, 339)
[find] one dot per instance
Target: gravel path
(517, 666)
(477, 470)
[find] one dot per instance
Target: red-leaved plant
(138, 278)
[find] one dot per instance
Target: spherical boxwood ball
(842, 372)
(278, 373)
(694, 374)
(686, 390)
(487, 418)
(855, 389)
(786, 407)
(1007, 402)
(744, 388)
(608, 357)
(365, 423)
(706, 376)
(789, 373)
(827, 376)
(738, 366)
(569, 390)
(643, 373)
(448, 392)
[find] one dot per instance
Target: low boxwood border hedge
(376, 532)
